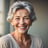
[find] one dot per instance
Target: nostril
(22, 22)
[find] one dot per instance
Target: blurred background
(38, 28)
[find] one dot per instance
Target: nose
(21, 21)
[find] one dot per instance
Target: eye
(17, 18)
(26, 18)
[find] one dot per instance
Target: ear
(11, 23)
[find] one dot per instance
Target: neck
(20, 36)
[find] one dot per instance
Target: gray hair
(21, 5)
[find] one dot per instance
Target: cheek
(28, 22)
(15, 23)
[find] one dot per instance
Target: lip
(23, 27)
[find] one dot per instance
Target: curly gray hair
(21, 5)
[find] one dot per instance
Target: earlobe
(11, 23)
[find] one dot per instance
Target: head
(21, 15)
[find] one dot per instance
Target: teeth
(22, 27)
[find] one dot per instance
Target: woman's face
(21, 21)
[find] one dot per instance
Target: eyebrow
(24, 16)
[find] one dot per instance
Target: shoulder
(4, 38)
(36, 38)
(4, 41)
(37, 41)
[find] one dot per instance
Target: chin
(23, 32)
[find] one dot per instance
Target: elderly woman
(21, 16)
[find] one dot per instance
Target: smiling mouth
(23, 28)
